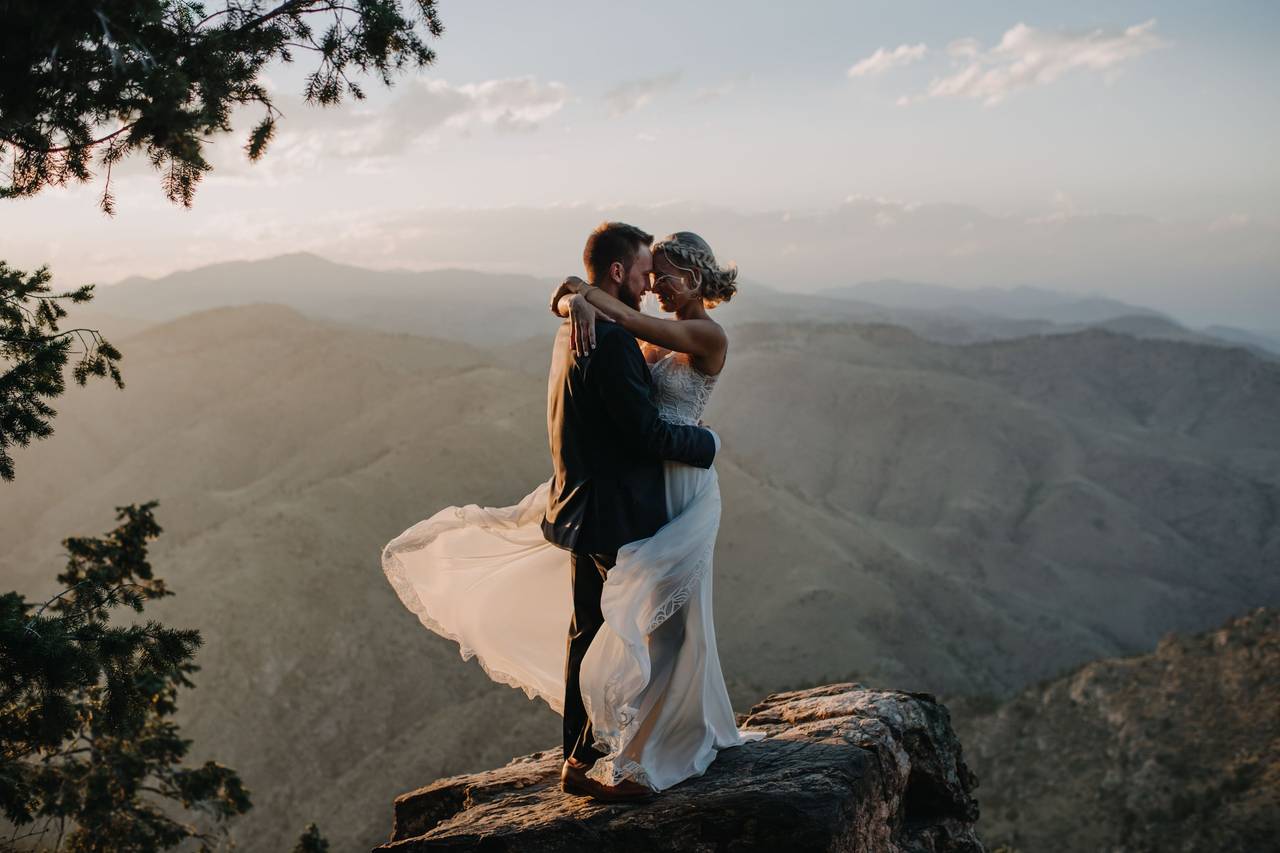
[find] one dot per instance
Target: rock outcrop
(843, 768)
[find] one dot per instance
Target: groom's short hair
(612, 241)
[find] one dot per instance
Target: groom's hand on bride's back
(714, 434)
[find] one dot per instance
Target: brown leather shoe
(624, 792)
(573, 778)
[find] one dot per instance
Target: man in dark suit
(607, 446)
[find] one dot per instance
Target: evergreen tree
(311, 841)
(112, 77)
(81, 79)
(35, 350)
(89, 757)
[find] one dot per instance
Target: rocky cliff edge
(843, 768)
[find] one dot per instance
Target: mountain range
(488, 309)
(968, 519)
(1015, 303)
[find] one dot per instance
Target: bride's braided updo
(689, 252)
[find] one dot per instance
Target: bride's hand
(582, 324)
(572, 284)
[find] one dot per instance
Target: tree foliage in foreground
(35, 349)
(114, 77)
(90, 759)
(81, 79)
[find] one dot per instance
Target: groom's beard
(628, 298)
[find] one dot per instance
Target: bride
(487, 579)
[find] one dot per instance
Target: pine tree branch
(64, 148)
(32, 833)
(46, 338)
(207, 18)
(291, 7)
(36, 615)
(110, 601)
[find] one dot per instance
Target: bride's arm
(567, 302)
(560, 299)
(698, 338)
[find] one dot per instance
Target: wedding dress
(651, 681)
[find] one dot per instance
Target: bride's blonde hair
(691, 253)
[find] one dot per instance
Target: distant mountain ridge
(498, 309)
(1015, 303)
(1065, 312)
(448, 303)
(1269, 341)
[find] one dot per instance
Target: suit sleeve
(622, 380)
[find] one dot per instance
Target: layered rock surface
(843, 768)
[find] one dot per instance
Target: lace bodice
(680, 391)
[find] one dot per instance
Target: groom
(607, 448)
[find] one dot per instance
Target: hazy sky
(1125, 148)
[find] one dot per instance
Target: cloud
(707, 94)
(1027, 57)
(354, 131)
(965, 48)
(511, 104)
(520, 103)
(883, 60)
(634, 94)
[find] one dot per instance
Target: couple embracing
(618, 544)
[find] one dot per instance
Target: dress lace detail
(680, 390)
(682, 593)
(612, 771)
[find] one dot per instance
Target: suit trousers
(588, 573)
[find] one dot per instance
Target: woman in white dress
(486, 578)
